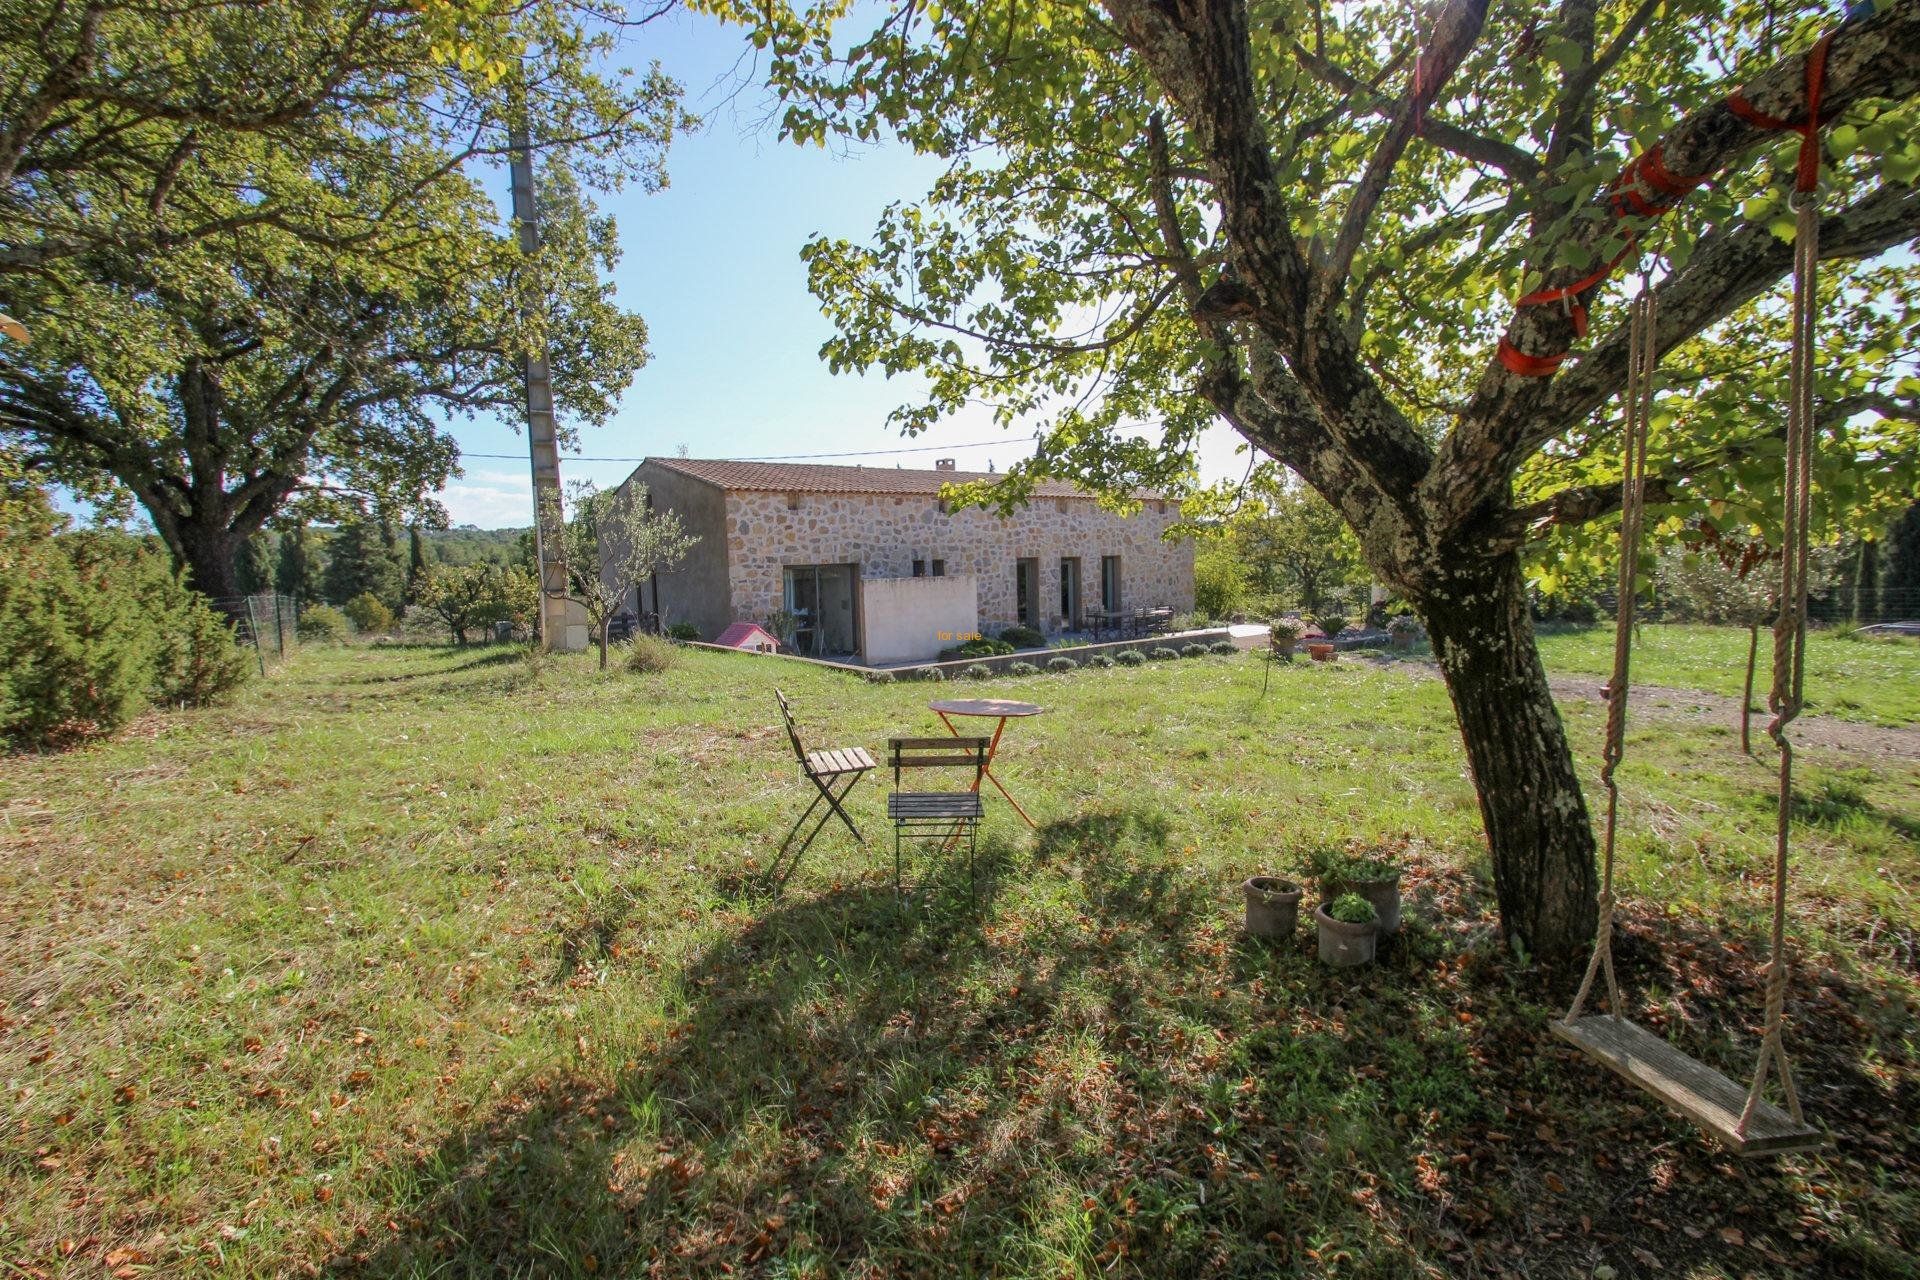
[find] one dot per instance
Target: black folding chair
(833, 774)
(936, 816)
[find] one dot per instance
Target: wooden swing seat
(1692, 1088)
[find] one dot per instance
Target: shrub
(1190, 621)
(94, 627)
(683, 631)
(1101, 660)
(1194, 650)
(367, 613)
(978, 671)
(1130, 658)
(1225, 648)
(1283, 629)
(934, 674)
(1022, 669)
(879, 677)
(978, 647)
(1331, 623)
(1062, 665)
(1022, 637)
(1351, 908)
(651, 655)
(1160, 653)
(199, 658)
(323, 624)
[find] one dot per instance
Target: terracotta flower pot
(1343, 945)
(1383, 894)
(1320, 651)
(1273, 906)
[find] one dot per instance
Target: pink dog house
(750, 636)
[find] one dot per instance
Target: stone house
(875, 569)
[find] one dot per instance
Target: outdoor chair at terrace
(833, 774)
(936, 817)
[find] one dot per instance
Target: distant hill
(467, 544)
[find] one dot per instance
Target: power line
(774, 457)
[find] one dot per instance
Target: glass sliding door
(825, 601)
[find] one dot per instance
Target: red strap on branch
(1649, 170)
(1807, 170)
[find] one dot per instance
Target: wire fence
(268, 623)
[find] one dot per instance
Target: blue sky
(713, 264)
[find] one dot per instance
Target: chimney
(943, 464)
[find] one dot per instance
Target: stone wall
(884, 534)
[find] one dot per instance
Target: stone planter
(1283, 649)
(1273, 906)
(1383, 894)
(1342, 945)
(1320, 650)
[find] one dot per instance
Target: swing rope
(1790, 627)
(1642, 357)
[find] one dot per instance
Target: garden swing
(1743, 1120)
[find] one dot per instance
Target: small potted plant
(1329, 625)
(1370, 875)
(1281, 634)
(1273, 906)
(1403, 629)
(1348, 930)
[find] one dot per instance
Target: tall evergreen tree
(295, 573)
(360, 559)
(253, 566)
(416, 563)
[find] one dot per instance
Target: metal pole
(279, 630)
(542, 443)
(253, 626)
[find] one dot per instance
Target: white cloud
(491, 499)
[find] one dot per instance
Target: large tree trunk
(1530, 801)
(207, 549)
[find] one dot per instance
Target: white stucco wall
(912, 619)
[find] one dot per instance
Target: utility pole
(557, 629)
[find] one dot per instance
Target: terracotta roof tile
(808, 477)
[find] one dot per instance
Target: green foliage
(1130, 658)
(933, 675)
(1161, 653)
(94, 627)
(1101, 662)
(1022, 637)
(294, 572)
(1283, 629)
(368, 614)
(977, 671)
(361, 560)
(1062, 665)
(465, 597)
(323, 624)
(253, 566)
(650, 655)
(683, 631)
(1224, 648)
(1219, 577)
(1022, 669)
(359, 289)
(1351, 908)
(881, 676)
(782, 625)
(1195, 650)
(1332, 624)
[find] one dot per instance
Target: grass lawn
(1872, 681)
(424, 961)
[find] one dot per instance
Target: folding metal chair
(936, 816)
(833, 774)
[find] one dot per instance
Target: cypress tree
(294, 573)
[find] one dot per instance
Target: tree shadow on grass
(1088, 1070)
(491, 656)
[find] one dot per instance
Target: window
(939, 568)
(1110, 583)
(919, 568)
(1026, 592)
(1070, 591)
